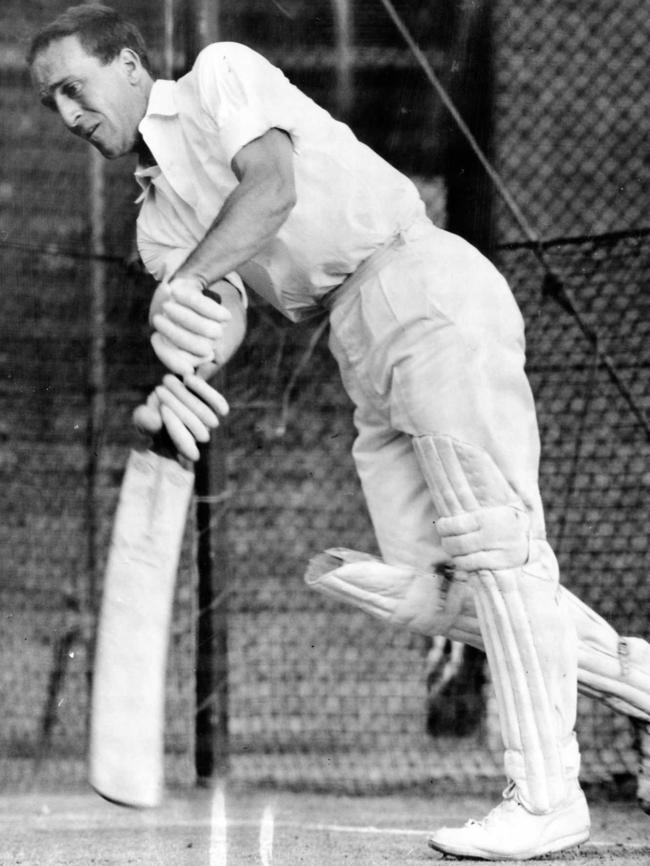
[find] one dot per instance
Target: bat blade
(126, 748)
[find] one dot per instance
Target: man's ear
(132, 64)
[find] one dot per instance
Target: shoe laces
(508, 804)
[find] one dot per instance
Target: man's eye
(48, 103)
(72, 89)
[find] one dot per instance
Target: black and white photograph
(324, 432)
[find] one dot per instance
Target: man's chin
(109, 152)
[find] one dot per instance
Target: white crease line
(170, 821)
(266, 836)
(218, 830)
(349, 828)
(152, 819)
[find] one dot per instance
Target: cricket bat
(127, 721)
(126, 748)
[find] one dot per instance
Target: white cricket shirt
(349, 200)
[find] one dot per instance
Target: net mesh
(570, 109)
(319, 695)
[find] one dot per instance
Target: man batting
(248, 184)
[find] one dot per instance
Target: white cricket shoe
(511, 832)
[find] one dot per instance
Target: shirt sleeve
(243, 93)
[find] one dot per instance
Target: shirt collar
(144, 174)
(162, 99)
(162, 103)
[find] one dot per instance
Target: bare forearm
(252, 214)
(250, 218)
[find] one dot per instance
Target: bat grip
(163, 444)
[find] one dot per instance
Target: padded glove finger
(189, 419)
(184, 317)
(180, 435)
(182, 338)
(178, 361)
(209, 395)
(192, 295)
(198, 407)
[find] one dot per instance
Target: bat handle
(214, 295)
(162, 443)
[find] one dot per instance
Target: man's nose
(69, 111)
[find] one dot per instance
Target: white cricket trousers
(429, 339)
(430, 345)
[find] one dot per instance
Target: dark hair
(101, 31)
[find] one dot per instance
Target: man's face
(103, 103)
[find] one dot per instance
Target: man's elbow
(286, 199)
(274, 197)
(278, 209)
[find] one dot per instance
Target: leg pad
(529, 640)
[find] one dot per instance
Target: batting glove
(188, 324)
(189, 409)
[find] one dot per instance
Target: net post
(342, 10)
(201, 26)
(168, 30)
(97, 387)
(470, 192)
